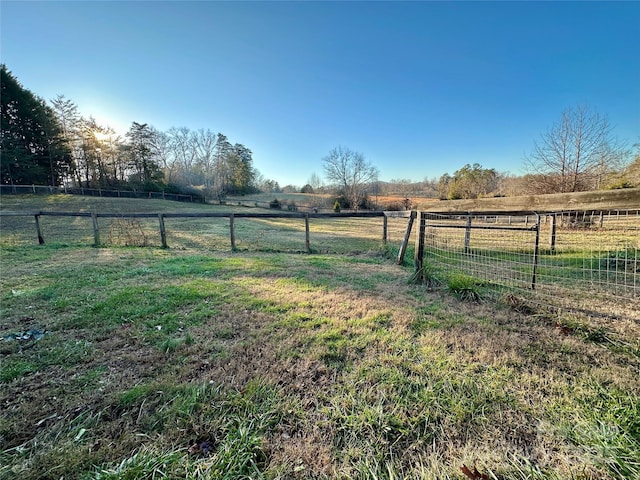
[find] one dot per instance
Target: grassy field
(139, 363)
(344, 235)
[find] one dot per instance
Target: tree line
(578, 153)
(51, 143)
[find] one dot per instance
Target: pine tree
(33, 150)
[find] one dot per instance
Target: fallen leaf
(474, 474)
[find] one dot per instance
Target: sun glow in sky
(420, 88)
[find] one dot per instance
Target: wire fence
(287, 232)
(586, 261)
(98, 192)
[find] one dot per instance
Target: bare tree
(204, 144)
(183, 156)
(315, 181)
(350, 172)
(574, 154)
(162, 149)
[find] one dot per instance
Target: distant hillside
(624, 199)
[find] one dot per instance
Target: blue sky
(420, 88)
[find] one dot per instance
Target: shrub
(394, 206)
(275, 203)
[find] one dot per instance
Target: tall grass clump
(464, 287)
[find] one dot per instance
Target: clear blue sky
(420, 88)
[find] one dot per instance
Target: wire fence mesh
(587, 261)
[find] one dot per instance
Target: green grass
(345, 235)
(464, 287)
(277, 365)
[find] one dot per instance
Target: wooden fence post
(467, 234)
(38, 230)
(96, 231)
(232, 232)
(552, 233)
(405, 241)
(163, 233)
(307, 240)
(418, 260)
(384, 229)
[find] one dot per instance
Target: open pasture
(327, 235)
(192, 362)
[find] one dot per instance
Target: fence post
(405, 241)
(163, 233)
(552, 233)
(307, 241)
(96, 231)
(536, 253)
(38, 230)
(467, 234)
(384, 229)
(232, 232)
(418, 260)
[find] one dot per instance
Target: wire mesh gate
(587, 261)
(497, 252)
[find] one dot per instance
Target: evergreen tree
(146, 170)
(471, 181)
(33, 149)
(241, 169)
(221, 167)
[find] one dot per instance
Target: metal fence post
(552, 233)
(536, 253)
(418, 260)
